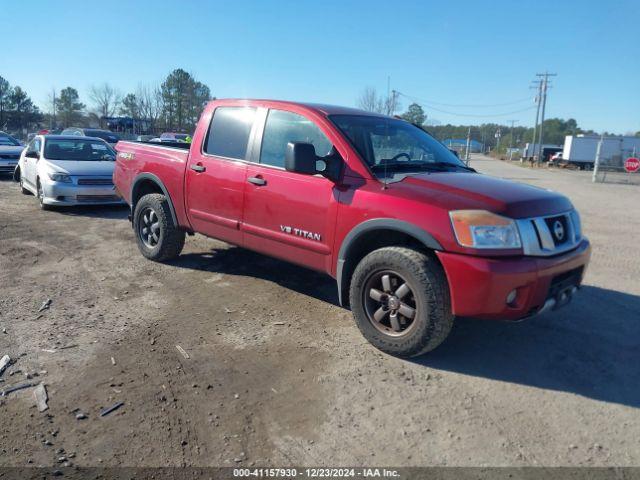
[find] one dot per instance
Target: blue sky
(456, 52)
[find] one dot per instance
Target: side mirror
(300, 157)
(455, 152)
(32, 154)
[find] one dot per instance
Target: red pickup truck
(412, 235)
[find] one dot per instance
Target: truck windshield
(395, 146)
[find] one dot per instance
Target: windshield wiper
(420, 166)
(454, 165)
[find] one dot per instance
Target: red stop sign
(632, 164)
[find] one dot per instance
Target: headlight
(60, 177)
(482, 229)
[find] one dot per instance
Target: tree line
(173, 105)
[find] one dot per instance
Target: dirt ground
(278, 374)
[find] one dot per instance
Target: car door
(30, 163)
(286, 214)
(216, 174)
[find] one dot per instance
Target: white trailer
(581, 150)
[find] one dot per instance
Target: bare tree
(370, 101)
(150, 104)
(106, 100)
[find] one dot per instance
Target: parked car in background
(175, 137)
(68, 170)
(10, 149)
(107, 135)
(145, 138)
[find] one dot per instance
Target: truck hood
(478, 191)
(82, 168)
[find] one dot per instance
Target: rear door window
(229, 132)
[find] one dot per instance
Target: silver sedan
(68, 170)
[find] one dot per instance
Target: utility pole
(511, 139)
(545, 85)
(52, 118)
(466, 155)
(535, 125)
(596, 163)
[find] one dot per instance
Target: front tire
(43, 205)
(400, 300)
(158, 237)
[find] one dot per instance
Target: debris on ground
(278, 323)
(40, 394)
(112, 408)
(4, 330)
(81, 416)
(15, 388)
(4, 363)
(228, 310)
(113, 361)
(183, 352)
(45, 305)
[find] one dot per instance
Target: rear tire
(408, 313)
(158, 237)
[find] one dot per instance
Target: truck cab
(412, 235)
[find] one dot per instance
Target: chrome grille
(95, 181)
(550, 235)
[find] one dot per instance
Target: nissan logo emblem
(558, 230)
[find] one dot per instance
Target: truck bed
(138, 160)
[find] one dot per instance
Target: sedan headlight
(59, 177)
(483, 229)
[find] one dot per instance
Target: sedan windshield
(391, 146)
(8, 141)
(78, 149)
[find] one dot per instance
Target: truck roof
(324, 109)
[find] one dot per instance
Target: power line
(489, 105)
(476, 115)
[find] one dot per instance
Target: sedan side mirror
(455, 152)
(32, 154)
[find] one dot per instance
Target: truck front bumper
(481, 287)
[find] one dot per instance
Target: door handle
(257, 181)
(197, 168)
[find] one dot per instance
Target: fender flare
(378, 224)
(150, 176)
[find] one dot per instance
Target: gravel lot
(278, 374)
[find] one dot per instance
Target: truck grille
(97, 198)
(95, 181)
(546, 236)
(9, 156)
